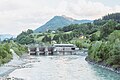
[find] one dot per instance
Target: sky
(19, 15)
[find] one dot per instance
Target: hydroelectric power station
(56, 49)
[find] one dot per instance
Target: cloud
(19, 15)
(90, 10)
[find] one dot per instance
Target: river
(69, 67)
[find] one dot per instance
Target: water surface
(71, 67)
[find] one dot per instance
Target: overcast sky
(20, 15)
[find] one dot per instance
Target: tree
(25, 37)
(107, 52)
(56, 38)
(113, 16)
(99, 22)
(117, 27)
(47, 39)
(94, 37)
(107, 29)
(29, 31)
(114, 35)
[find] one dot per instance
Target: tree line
(105, 48)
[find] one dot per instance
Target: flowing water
(70, 67)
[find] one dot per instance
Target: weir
(56, 49)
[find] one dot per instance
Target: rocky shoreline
(103, 65)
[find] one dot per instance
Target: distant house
(53, 32)
(82, 37)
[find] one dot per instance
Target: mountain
(59, 22)
(6, 36)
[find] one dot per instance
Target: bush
(94, 37)
(116, 66)
(107, 51)
(107, 29)
(117, 27)
(18, 48)
(93, 50)
(5, 54)
(114, 60)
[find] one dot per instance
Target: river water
(70, 67)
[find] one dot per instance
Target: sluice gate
(56, 49)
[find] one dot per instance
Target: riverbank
(15, 63)
(102, 65)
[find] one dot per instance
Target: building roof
(64, 45)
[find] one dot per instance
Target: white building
(62, 49)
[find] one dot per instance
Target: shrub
(114, 60)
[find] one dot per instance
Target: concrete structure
(56, 49)
(65, 49)
(40, 50)
(50, 50)
(32, 50)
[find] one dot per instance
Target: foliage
(108, 51)
(56, 38)
(114, 36)
(86, 28)
(113, 16)
(107, 29)
(99, 22)
(81, 43)
(29, 31)
(69, 28)
(18, 48)
(47, 39)
(95, 36)
(39, 35)
(114, 60)
(117, 27)
(5, 54)
(25, 37)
